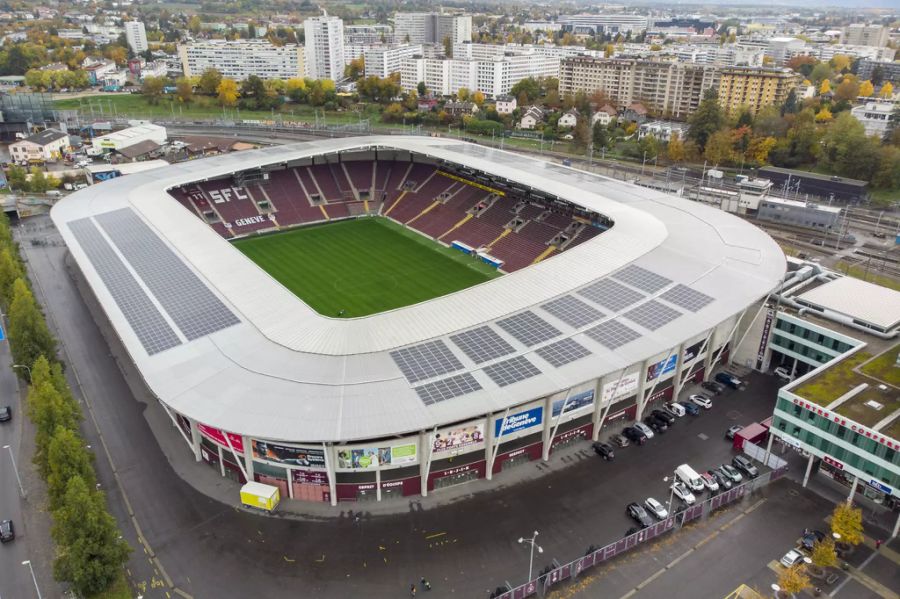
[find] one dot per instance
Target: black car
(635, 435)
(658, 426)
(639, 514)
(604, 450)
(5, 414)
(7, 531)
(810, 538)
(713, 387)
(663, 415)
(724, 481)
(744, 464)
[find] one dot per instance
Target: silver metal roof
(267, 365)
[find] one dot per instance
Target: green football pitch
(364, 266)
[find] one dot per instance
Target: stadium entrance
(455, 479)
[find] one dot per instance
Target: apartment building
(431, 28)
(861, 34)
(755, 87)
(136, 36)
(875, 117)
(240, 59)
(324, 47)
(603, 23)
(493, 76)
(666, 87)
(888, 71)
(384, 60)
(367, 35)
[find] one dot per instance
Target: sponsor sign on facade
(458, 438)
(764, 339)
(372, 457)
(664, 367)
(305, 457)
(626, 386)
(217, 436)
(877, 484)
(854, 427)
(518, 422)
(575, 401)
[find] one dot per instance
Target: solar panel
(511, 371)
(482, 344)
(143, 317)
(448, 388)
(612, 334)
(563, 352)
(611, 295)
(528, 328)
(572, 311)
(425, 360)
(188, 301)
(687, 298)
(642, 278)
(652, 315)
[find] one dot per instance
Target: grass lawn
(859, 272)
(884, 367)
(362, 266)
(833, 382)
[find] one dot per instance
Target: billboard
(576, 402)
(457, 438)
(626, 386)
(372, 457)
(518, 422)
(217, 436)
(287, 455)
(659, 369)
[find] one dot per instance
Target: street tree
(866, 89)
(67, 457)
(706, 120)
(794, 580)
(49, 411)
(846, 520)
(10, 270)
(29, 336)
(886, 91)
(227, 91)
(824, 554)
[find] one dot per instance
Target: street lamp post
(533, 545)
(671, 491)
(16, 470)
(28, 368)
(33, 577)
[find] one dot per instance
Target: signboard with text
(518, 422)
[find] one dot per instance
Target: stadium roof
(220, 340)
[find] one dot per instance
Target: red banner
(217, 436)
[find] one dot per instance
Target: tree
(840, 63)
(194, 24)
(448, 47)
(719, 148)
(888, 174)
(29, 336)
(820, 72)
(843, 138)
(209, 81)
(90, 552)
(825, 87)
(153, 88)
(184, 90)
(600, 136)
(582, 133)
(529, 87)
(463, 94)
(823, 554)
(847, 89)
(886, 91)
(759, 149)
(846, 521)
(706, 120)
(355, 69)
(18, 178)
(421, 89)
(67, 457)
(824, 115)
(295, 89)
(478, 98)
(10, 270)
(675, 148)
(227, 92)
(38, 183)
(794, 580)
(866, 89)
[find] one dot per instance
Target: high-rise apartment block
(860, 34)
(324, 47)
(431, 28)
(755, 87)
(239, 59)
(136, 36)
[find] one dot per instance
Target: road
(211, 550)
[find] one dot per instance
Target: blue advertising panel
(575, 402)
(518, 422)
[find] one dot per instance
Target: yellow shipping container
(258, 495)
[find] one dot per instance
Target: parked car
(648, 432)
(690, 407)
(639, 514)
(810, 538)
(701, 400)
(619, 440)
(709, 482)
(675, 409)
(728, 379)
(731, 472)
(7, 531)
(635, 434)
(783, 373)
(744, 464)
(683, 493)
(663, 415)
(713, 387)
(732, 431)
(791, 557)
(604, 450)
(5, 414)
(724, 481)
(658, 426)
(656, 508)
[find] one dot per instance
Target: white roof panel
(858, 299)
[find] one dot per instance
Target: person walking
(878, 544)
(412, 590)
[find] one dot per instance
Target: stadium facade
(617, 296)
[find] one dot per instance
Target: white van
(690, 478)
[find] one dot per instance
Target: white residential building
(383, 60)
(875, 117)
(603, 23)
(493, 77)
(533, 117)
(431, 28)
(49, 144)
(860, 34)
(663, 130)
(569, 119)
(136, 36)
(367, 35)
(324, 48)
(780, 49)
(240, 59)
(505, 104)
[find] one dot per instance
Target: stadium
(371, 317)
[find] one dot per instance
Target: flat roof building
(808, 215)
(324, 48)
(240, 59)
(755, 87)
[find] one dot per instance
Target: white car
(675, 409)
(783, 373)
(683, 493)
(656, 508)
(791, 557)
(701, 400)
(648, 432)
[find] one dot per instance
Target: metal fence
(572, 570)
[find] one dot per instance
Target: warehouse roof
(859, 300)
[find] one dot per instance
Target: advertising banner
(764, 338)
(518, 422)
(372, 457)
(218, 436)
(627, 386)
(455, 439)
(305, 457)
(576, 402)
(659, 369)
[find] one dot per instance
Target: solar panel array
(142, 315)
(190, 303)
(511, 371)
(612, 334)
(611, 295)
(482, 344)
(529, 328)
(426, 360)
(572, 311)
(687, 298)
(642, 278)
(448, 388)
(563, 352)
(652, 315)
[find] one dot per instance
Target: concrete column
(708, 358)
(248, 458)
(642, 385)
(424, 453)
(548, 427)
(378, 484)
(768, 449)
(221, 461)
(808, 470)
(853, 489)
(489, 447)
(679, 366)
(290, 482)
(598, 409)
(330, 460)
(896, 530)
(195, 439)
